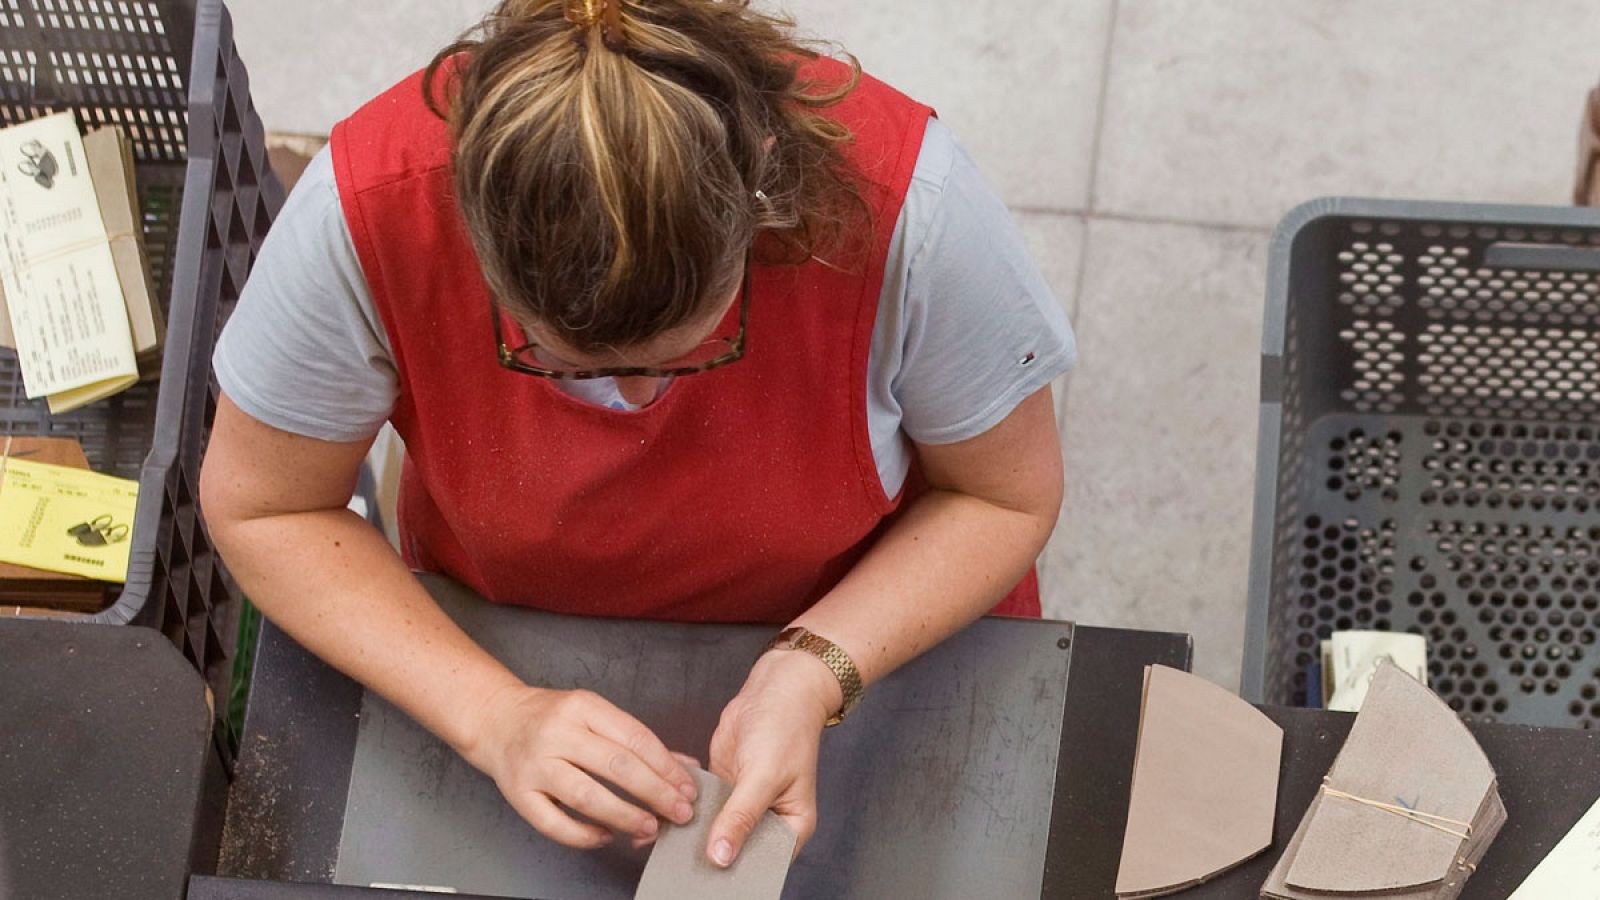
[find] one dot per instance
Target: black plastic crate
(1429, 452)
(166, 71)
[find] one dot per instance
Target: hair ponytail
(607, 155)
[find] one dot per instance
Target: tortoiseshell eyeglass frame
(516, 359)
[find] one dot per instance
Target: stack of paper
(74, 280)
(1205, 785)
(1408, 809)
(110, 156)
(1350, 660)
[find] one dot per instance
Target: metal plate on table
(939, 786)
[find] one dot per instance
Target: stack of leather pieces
(32, 591)
(1407, 811)
(1205, 785)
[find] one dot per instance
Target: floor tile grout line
(1077, 295)
(1140, 219)
(1094, 166)
(1065, 402)
(1100, 105)
(1065, 212)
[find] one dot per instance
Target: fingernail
(722, 853)
(648, 829)
(687, 790)
(682, 813)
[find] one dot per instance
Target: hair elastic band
(586, 14)
(611, 25)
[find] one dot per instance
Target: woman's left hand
(766, 747)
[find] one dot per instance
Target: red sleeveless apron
(742, 494)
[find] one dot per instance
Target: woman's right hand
(547, 751)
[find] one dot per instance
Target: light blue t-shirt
(966, 327)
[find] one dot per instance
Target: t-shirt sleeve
(304, 351)
(980, 331)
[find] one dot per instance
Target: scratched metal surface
(940, 786)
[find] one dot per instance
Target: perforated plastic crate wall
(1429, 452)
(167, 72)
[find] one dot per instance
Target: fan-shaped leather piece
(1406, 748)
(1205, 785)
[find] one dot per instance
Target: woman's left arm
(991, 503)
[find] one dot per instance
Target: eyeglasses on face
(711, 354)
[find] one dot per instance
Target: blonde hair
(608, 155)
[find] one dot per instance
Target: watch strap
(832, 656)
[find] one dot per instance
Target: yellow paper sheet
(68, 400)
(66, 520)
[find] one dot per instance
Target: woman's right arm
(275, 506)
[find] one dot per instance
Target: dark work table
(288, 808)
(104, 739)
(109, 784)
(289, 800)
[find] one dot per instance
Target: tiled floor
(1147, 147)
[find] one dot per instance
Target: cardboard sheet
(678, 868)
(110, 160)
(1205, 785)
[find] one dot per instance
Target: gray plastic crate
(167, 72)
(1429, 451)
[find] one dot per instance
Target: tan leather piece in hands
(678, 867)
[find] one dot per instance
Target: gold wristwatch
(832, 656)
